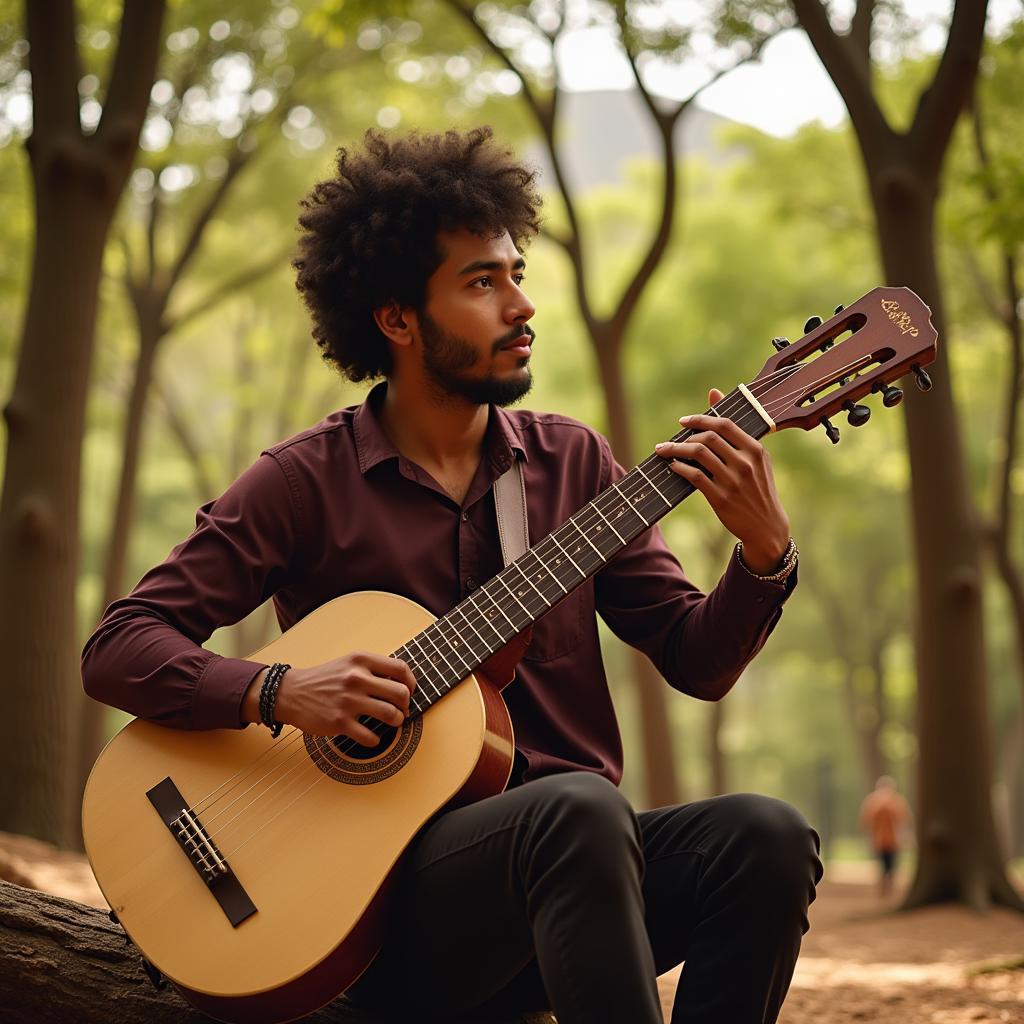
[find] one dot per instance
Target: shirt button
(471, 583)
(465, 517)
(760, 599)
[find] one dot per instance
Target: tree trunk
(68, 962)
(39, 507)
(959, 851)
(661, 780)
(78, 181)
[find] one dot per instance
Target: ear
(394, 323)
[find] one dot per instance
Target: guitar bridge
(197, 844)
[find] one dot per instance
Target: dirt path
(859, 962)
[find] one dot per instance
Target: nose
(519, 308)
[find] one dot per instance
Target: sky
(786, 89)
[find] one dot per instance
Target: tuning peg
(924, 382)
(840, 308)
(780, 343)
(891, 396)
(812, 322)
(858, 415)
(831, 430)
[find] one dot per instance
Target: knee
(779, 845)
(584, 811)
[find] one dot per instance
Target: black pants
(558, 895)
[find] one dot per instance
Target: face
(474, 331)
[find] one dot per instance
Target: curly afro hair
(370, 233)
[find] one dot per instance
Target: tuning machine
(831, 430)
(924, 382)
(891, 395)
(857, 415)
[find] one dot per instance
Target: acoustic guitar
(255, 873)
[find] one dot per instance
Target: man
(554, 893)
(885, 818)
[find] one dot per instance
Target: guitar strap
(510, 507)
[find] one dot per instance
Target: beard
(447, 357)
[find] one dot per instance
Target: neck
(430, 428)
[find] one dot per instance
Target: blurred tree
(959, 855)
(525, 40)
(78, 173)
(227, 87)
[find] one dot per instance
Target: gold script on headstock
(899, 316)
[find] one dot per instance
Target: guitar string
(346, 747)
(763, 386)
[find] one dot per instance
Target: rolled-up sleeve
(145, 656)
(699, 642)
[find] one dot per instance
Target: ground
(860, 961)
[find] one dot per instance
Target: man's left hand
(740, 488)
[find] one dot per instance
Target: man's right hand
(327, 699)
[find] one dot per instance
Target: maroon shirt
(338, 509)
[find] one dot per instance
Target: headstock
(863, 348)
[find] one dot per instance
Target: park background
(152, 343)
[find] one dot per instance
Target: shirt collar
(501, 442)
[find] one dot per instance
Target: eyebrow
(472, 268)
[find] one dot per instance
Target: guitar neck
(454, 645)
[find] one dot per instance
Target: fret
(500, 578)
(640, 470)
(597, 509)
(488, 619)
(533, 551)
(430, 662)
(453, 645)
(528, 580)
(418, 670)
(582, 533)
(468, 621)
(632, 505)
(628, 503)
(583, 575)
(440, 655)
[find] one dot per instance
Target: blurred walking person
(885, 817)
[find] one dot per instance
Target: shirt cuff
(217, 703)
(745, 590)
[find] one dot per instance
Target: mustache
(514, 335)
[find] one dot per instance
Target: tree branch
(860, 32)
(545, 117)
(205, 487)
(236, 161)
(839, 56)
(132, 77)
(246, 277)
(941, 102)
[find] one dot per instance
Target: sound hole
(356, 751)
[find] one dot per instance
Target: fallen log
(62, 961)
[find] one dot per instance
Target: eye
(482, 280)
(518, 278)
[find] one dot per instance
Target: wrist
(778, 571)
(251, 697)
(764, 557)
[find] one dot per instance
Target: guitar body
(312, 835)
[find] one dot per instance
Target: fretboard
(451, 647)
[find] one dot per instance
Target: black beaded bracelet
(268, 697)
